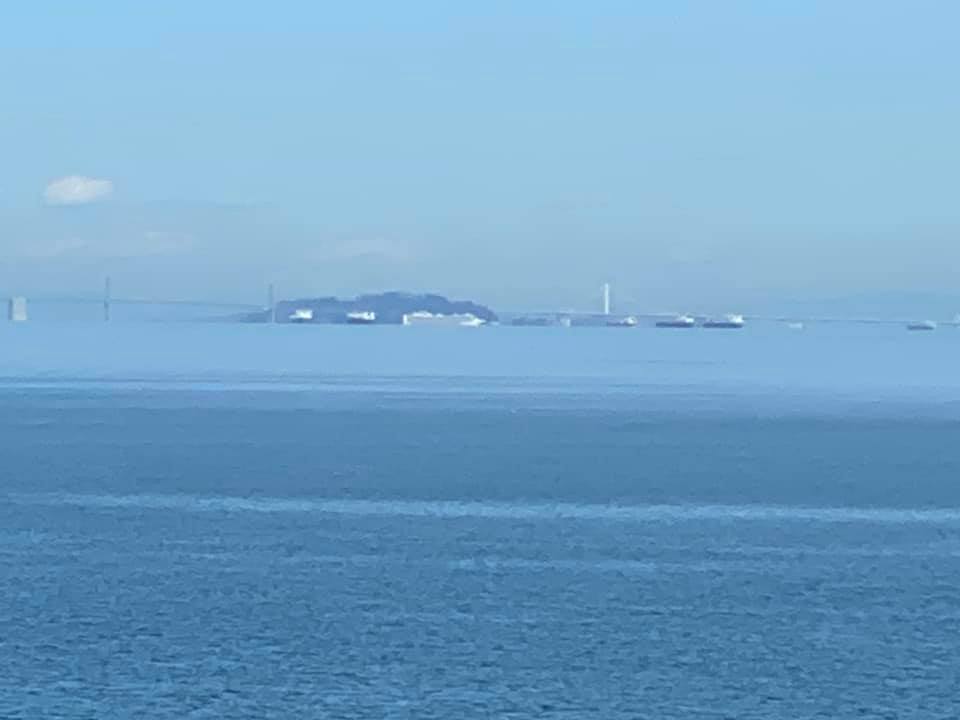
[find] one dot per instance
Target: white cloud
(110, 246)
(159, 242)
(76, 190)
(365, 248)
(56, 249)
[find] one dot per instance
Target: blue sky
(690, 152)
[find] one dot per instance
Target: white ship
(455, 320)
(301, 315)
(727, 321)
(628, 321)
(365, 317)
(680, 321)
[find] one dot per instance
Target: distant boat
(922, 325)
(455, 320)
(365, 317)
(301, 315)
(727, 321)
(532, 322)
(680, 321)
(795, 325)
(628, 321)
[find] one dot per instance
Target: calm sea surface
(217, 521)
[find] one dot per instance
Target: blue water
(287, 522)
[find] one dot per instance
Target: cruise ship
(456, 320)
(727, 321)
(680, 321)
(301, 315)
(365, 317)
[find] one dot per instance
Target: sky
(694, 154)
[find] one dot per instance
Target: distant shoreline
(382, 309)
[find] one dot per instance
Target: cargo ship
(364, 317)
(628, 321)
(680, 321)
(532, 322)
(733, 322)
(301, 315)
(922, 325)
(455, 320)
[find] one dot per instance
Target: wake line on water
(453, 509)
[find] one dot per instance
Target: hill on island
(390, 307)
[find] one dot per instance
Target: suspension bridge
(107, 301)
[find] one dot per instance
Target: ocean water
(285, 522)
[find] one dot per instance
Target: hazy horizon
(736, 157)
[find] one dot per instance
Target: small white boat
(365, 317)
(301, 315)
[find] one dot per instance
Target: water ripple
(453, 509)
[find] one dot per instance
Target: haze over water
(225, 521)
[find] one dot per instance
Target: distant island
(383, 308)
